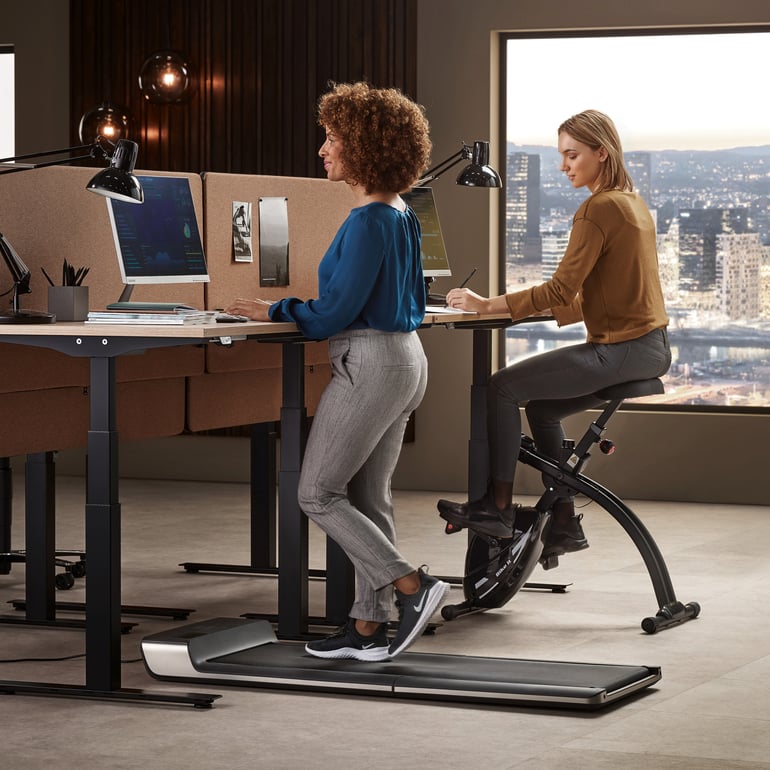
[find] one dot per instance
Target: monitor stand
(124, 303)
(433, 299)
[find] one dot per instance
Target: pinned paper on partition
(242, 251)
(273, 242)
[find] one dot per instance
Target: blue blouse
(370, 277)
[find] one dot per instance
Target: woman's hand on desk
(465, 299)
(255, 309)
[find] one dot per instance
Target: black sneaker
(415, 610)
(346, 642)
(565, 538)
(481, 516)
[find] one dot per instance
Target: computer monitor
(158, 241)
(435, 263)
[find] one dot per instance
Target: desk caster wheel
(78, 569)
(64, 581)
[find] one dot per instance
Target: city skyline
(677, 92)
(713, 226)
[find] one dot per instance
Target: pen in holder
(68, 302)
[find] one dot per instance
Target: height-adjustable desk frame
(102, 344)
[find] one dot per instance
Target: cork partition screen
(48, 216)
(315, 210)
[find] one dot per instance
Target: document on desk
(160, 319)
(436, 309)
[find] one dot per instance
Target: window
(690, 110)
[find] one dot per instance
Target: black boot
(482, 516)
(565, 534)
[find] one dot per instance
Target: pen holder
(68, 303)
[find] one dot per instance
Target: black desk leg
(292, 524)
(263, 509)
(40, 536)
(478, 449)
(340, 584)
(103, 533)
(6, 512)
(263, 518)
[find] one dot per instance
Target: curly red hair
(385, 135)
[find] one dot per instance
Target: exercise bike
(496, 568)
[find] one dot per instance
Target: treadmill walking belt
(236, 651)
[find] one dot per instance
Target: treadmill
(244, 652)
(248, 652)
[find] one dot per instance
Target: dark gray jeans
(557, 384)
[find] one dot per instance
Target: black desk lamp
(478, 173)
(117, 181)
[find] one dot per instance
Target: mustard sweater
(608, 276)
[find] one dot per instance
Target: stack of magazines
(172, 317)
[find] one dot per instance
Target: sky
(694, 92)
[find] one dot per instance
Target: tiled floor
(711, 708)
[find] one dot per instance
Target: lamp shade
(118, 181)
(108, 120)
(478, 173)
(165, 77)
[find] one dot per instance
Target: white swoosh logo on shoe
(418, 607)
(368, 646)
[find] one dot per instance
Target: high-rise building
(738, 275)
(698, 231)
(522, 208)
(554, 246)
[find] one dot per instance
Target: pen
(47, 277)
(470, 275)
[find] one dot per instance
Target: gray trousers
(378, 379)
(560, 383)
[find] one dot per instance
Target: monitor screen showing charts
(433, 252)
(159, 241)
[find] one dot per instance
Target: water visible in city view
(712, 210)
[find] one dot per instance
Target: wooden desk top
(210, 331)
(202, 332)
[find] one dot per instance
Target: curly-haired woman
(371, 300)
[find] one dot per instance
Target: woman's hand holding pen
(465, 299)
(255, 309)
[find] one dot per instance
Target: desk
(102, 344)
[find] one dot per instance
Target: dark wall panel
(259, 67)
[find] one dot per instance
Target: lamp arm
(465, 153)
(95, 148)
(47, 152)
(59, 162)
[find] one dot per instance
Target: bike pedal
(550, 562)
